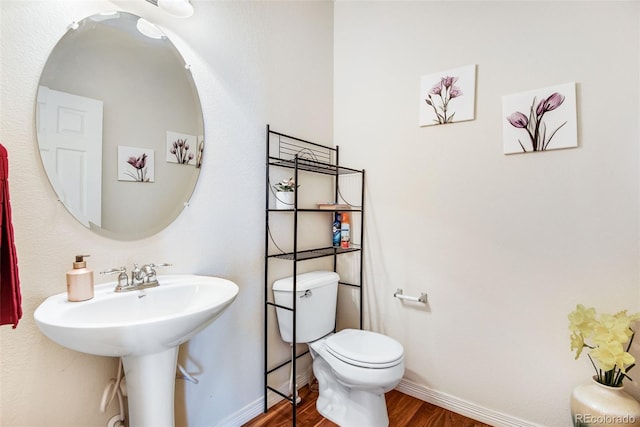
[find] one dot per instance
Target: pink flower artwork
(181, 148)
(540, 120)
(135, 164)
(440, 96)
(448, 96)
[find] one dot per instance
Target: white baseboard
(244, 415)
(460, 406)
(256, 407)
(418, 391)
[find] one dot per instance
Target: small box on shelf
(333, 206)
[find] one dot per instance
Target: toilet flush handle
(306, 294)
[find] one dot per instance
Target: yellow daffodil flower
(577, 343)
(611, 355)
(612, 328)
(582, 320)
(607, 337)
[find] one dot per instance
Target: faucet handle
(150, 269)
(114, 271)
(123, 280)
(160, 265)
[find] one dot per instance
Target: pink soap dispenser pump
(80, 281)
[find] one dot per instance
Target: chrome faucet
(141, 277)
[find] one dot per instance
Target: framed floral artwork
(135, 164)
(199, 151)
(448, 96)
(181, 148)
(540, 120)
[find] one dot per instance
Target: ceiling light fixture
(149, 29)
(179, 8)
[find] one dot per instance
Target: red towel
(10, 298)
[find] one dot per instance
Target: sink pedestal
(151, 382)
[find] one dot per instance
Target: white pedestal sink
(143, 327)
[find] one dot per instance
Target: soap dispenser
(80, 280)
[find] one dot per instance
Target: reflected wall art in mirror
(119, 126)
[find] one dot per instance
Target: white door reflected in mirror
(70, 139)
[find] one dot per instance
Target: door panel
(70, 138)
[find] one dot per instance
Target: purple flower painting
(181, 148)
(540, 120)
(140, 165)
(135, 164)
(534, 124)
(439, 97)
(199, 152)
(448, 96)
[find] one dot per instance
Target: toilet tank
(316, 295)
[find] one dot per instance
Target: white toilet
(354, 368)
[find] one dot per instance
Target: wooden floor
(404, 411)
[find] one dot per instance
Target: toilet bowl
(355, 369)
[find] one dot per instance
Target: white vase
(599, 405)
(285, 199)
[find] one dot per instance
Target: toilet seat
(365, 349)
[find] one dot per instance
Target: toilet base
(346, 406)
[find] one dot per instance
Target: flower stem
(598, 372)
(633, 334)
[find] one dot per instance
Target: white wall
(504, 245)
(254, 63)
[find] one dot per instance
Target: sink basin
(145, 328)
(136, 322)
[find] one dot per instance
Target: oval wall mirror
(119, 126)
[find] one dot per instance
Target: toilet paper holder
(400, 295)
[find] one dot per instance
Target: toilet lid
(364, 348)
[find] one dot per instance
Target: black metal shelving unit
(289, 152)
